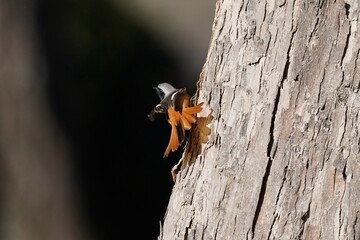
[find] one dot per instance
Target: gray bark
(275, 153)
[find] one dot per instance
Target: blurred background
(79, 158)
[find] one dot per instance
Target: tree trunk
(275, 153)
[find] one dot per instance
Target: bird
(177, 106)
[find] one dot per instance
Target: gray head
(164, 89)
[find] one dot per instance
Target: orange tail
(174, 118)
(174, 141)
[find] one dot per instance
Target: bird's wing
(180, 121)
(187, 115)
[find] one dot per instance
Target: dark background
(102, 64)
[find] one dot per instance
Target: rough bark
(275, 153)
(37, 198)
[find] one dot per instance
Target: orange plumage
(180, 121)
(176, 105)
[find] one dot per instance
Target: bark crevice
(346, 45)
(270, 153)
(262, 195)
